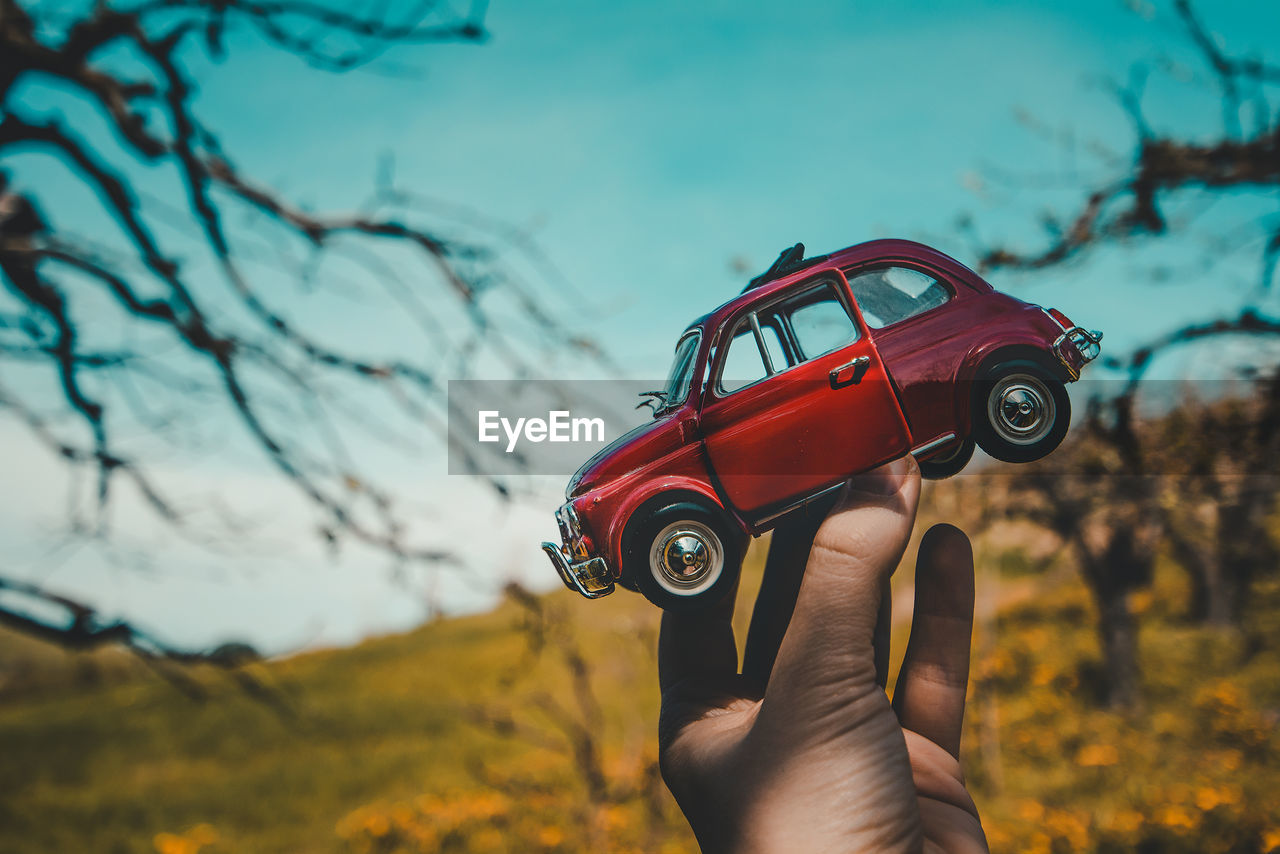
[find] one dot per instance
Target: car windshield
(680, 380)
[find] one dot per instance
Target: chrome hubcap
(1021, 409)
(686, 557)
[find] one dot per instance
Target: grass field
(467, 735)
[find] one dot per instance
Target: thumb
(857, 548)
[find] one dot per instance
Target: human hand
(803, 751)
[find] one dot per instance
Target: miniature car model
(822, 368)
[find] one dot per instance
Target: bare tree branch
(213, 343)
(1162, 166)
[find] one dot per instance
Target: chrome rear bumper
(1087, 344)
(590, 577)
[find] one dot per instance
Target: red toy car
(822, 368)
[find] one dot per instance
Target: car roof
(887, 249)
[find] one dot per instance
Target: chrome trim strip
(944, 439)
(797, 504)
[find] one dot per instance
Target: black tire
(947, 463)
(1021, 411)
(676, 534)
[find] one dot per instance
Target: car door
(798, 398)
(906, 305)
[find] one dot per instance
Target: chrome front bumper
(590, 577)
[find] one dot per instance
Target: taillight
(1060, 317)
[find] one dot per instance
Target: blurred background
(245, 246)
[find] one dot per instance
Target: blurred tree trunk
(1202, 571)
(1119, 636)
(1237, 548)
(1112, 572)
(1244, 550)
(1217, 513)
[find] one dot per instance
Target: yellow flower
(997, 664)
(1097, 755)
(998, 838)
(486, 839)
(1068, 826)
(1030, 811)
(1211, 797)
(377, 824)
(1177, 817)
(1224, 760)
(1126, 821)
(550, 836)
(1043, 674)
(1166, 723)
(1222, 697)
(1039, 843)
(1035, 639)
(186, 843)
(614, 818)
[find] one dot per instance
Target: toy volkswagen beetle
(820, 369)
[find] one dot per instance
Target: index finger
(830, 644)
(783, 570)
(698, 648)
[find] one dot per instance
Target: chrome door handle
(850, 373)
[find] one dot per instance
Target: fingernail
(886, 480)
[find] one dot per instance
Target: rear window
(890, 295)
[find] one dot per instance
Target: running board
(944, 439)
(796, 505)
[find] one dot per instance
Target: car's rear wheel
(947, 463)
(1021, 411)
(682, 555)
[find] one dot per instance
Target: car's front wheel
(1021, 412)
(682, 555)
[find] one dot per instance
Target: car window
(892, 294)
(680, 380)
(821, 323)
(743, 364)
(814, 321)
(773, 342)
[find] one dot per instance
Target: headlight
(570, 524)
(577, 543)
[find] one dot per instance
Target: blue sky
(646, 146)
